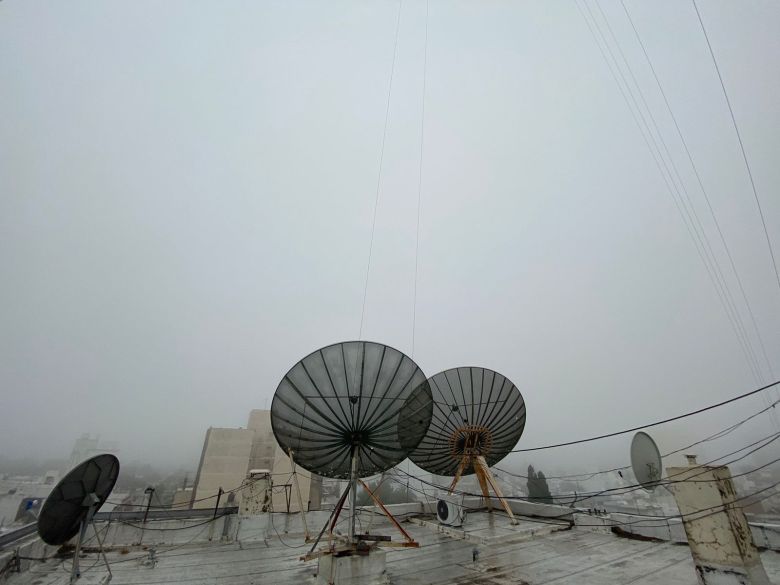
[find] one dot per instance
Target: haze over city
(187, 197)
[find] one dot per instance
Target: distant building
(267, 454)
(22, 496)
(230, 454)
(264, 444)
(223, 464)
(182, 498)
(87, 446)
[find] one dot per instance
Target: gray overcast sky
(187, 191)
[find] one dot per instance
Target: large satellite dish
(477, 411)
(351, 410)
(356, 398)
(70, 508)
(478, 417)
(646, 461)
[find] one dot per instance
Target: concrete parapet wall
(766, 535)
(26, 552)
(172, 531)
(536, 510)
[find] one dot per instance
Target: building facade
(229, 455)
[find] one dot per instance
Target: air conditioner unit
(450, 513)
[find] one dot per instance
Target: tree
(538, 490)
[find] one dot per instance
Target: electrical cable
(741, 143)
(652, 424)
(701, 186)
(589, 475)
(419, 181)
(145, 528)
(556, 520)
(623, 490)
(379, 173)
(671, 187)
(692, 215)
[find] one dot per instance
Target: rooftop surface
(530, 553)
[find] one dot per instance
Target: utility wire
(644, 131)
(627, 489)
(689, 209)
(701, 186)
(718, 435)
(379, 173)
(741, 144)
(744, 154)
(419, 182)
(649, 425)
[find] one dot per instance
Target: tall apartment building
(264, 445)
(230, 454)
(223, 464)
(267, 454)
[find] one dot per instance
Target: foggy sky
(187, 192)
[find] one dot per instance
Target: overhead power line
(710, 264)
(379, 172)
(419, 182)
(720, 434)
(689, 209)
(741, 144)
(705, 194)
(652, 424)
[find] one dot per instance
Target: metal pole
(102, 551)
(75, 571)
(219, 497)
(150, 491)
(352, 496)
(300, 500)
(333, 515)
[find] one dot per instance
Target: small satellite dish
(72, 504)
(64, 509)
(478, 418)
(646, 461)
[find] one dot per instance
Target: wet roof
(530, 553)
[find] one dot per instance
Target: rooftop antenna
(479, 416)
(349, 411)
(70, 508)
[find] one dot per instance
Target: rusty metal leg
(483, 483)
(480, 461)
(463, 464)
(307, 537)
(392, 519)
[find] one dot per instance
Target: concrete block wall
(766, 535)
(536, 510)
(168, 531)
(28, 549)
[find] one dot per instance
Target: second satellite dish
(477, 412)
(67, 506)
(70, 508)
(356, 397)
(646, 461)
(478, 418)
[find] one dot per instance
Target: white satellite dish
(646, 461)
